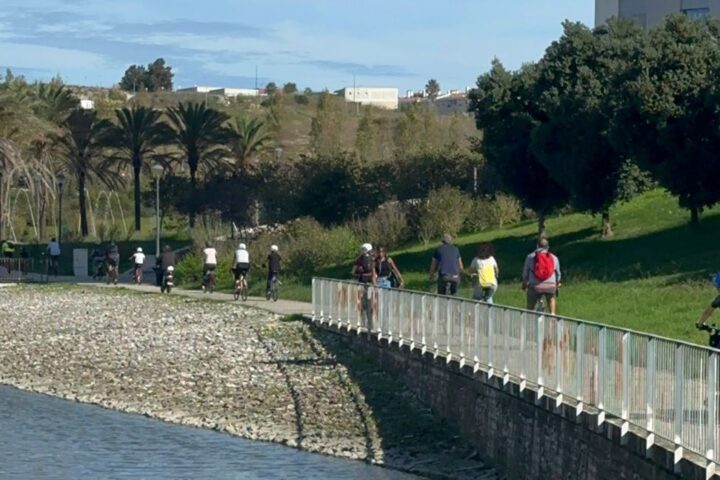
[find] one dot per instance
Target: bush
(312, 247)
(444, 211)
(388, 226)
(493, 213)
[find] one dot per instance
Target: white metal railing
(666, 387)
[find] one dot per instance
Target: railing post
(602, 350)
(423, 322)
(559, 324)
(540, 339)
(523, 334)
(463, 326)
(711, 425)
(506, 324)
(580, 365)
(314, 300)
(412, 320)
(650, 368)
(448, 327)
(321, 293)
(401, 316)
(491, 340)
(678, 403)
(476, 340)
(625, 402)
(436, 321)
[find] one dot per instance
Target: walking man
(448, 264)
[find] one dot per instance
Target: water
(42, 437)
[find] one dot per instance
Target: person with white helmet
(364, 269)
(273, 262)
(242, 263)
(209, 266)
(138, 259)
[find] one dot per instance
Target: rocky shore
(225, 367)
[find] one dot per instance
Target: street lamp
(60, 179)
(157, 172)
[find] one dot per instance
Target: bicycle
(241, 290)
(137, 275)
(274, 291)
(112, 274)
(208, 284)
(713, 332)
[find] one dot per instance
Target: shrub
(311, 247)
(444, 211)
(491, 213)
(388, 226)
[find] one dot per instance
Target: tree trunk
(193, 187)
(83, 205)
(136, 180)
(694, 216)
(606, 226)
(541, 225)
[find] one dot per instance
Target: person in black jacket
(273, 262)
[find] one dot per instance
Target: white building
(236, 92)
(649, 13)
(377, 96)
(196, 89)
(87, 104)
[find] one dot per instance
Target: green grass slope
(651, 276)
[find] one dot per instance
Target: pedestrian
(54, 250)
(274, 264)
(707, 313)
(541, 276)
(8, 250)
(448, 264)
(388, 275)
(485, 272)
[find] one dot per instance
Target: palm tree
(250, 137)
(139, 130)
(200, 133)
(80, 142)
(54, 102)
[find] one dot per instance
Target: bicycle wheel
(244, 293)
(275, 291)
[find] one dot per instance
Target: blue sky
(315, 43)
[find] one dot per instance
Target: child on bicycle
(138, 259)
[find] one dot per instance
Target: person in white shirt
(209, 264)
(54, 251)
(485, 272)
(242, 262)
(138, 259)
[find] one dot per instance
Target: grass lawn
(651, 276)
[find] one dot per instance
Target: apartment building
(382, 97)
(649, 13)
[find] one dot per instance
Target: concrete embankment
(222, 366)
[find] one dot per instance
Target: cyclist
(112, 258)
(98, 259)
(448, 264)
(364, 269)
(242, 264)
(209, 264)
(388, 275)
(138, 259)
(54, 251)
(167, 258)
(274, 261)
(707, 313)
(541, 276)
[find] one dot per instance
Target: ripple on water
(42, 437)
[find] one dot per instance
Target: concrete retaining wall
(527, 437)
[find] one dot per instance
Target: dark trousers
(269, 279)
(443, 283)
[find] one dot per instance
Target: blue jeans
(484, 294)
(384, 282)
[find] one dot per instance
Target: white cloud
(35, 56)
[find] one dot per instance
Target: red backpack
(544, 267)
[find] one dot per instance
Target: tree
(159, 76)
(134, 79)
(135, 136)
(290, 88)
(578, 91)
(308, 91)
(326, 126)
(432, 89)
(502, 104)
(54, 102)
(249, 139)
(271, 88)
(670, 121)
(81, 147)
(200, 133)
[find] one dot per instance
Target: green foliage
(301, 99)
(311, 246)
(249, 139)
(271, 88)
(444, 211)
(487, 212)
(415, 176)
(155, 78)
(326, 127)
(388, 226)
(432, 89)
(290, 88)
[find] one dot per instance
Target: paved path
(282, 307)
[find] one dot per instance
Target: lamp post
(157, 171)
(60, 179)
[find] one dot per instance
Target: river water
(42, 437)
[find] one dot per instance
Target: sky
(314, 43)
